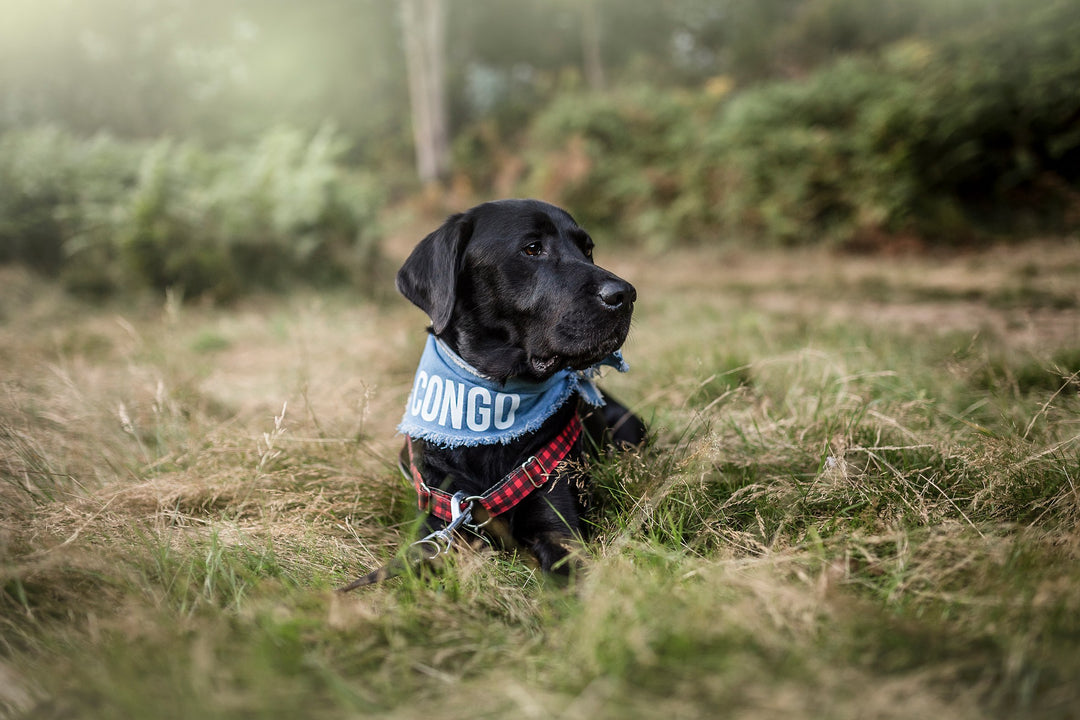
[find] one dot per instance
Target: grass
(863, 500)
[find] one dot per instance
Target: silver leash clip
(440, 541)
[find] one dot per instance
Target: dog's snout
(617, 293)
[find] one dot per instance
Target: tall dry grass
(861, 501)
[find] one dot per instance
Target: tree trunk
(590, 45)
(424, 24)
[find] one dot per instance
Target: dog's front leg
(558, 554)
(547, 523)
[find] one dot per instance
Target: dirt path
(1029, 294)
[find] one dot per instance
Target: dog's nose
(617, 293)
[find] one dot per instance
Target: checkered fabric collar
(512, 489)
(453, 405)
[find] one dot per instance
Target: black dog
(512, 290)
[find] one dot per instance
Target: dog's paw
(560, 556)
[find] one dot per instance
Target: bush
(980, 135)
(109, 216)
(617, 161)
(945, 143)
(817, 160)
(57, 191)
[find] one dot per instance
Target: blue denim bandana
(451, 404)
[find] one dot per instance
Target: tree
(424, 25)
(590, 45)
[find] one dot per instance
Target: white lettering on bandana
(451, 404)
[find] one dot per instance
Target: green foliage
(821, 159)
(110, 216)
(57, 192)
(944, 142)
(617, 160)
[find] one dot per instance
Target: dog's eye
(588, 252)
(533, 249)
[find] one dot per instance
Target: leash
(439, 543)
(456, 510)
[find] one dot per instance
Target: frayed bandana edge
(452, 405)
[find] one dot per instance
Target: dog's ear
(429, 277)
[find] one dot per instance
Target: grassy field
(862, 501)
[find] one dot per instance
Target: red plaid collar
(513, 488)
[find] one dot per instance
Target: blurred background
(853, 225)
(219, 147)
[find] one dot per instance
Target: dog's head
(511, 286)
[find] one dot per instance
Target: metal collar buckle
(529, 474)
(423, 496)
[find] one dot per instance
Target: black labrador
(511, 288)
